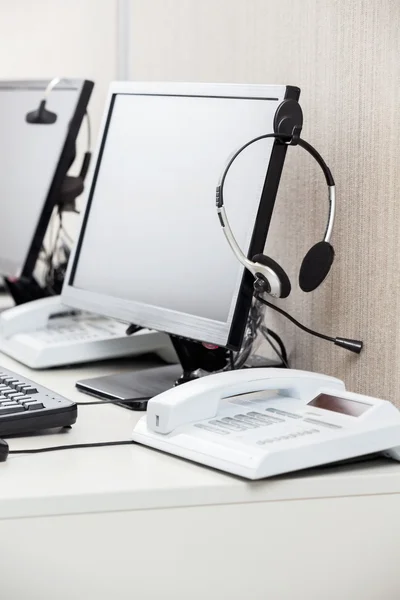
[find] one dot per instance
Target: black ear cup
(316, 266)
(280, 273)
(71, 188)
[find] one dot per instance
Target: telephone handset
(200, 399)
(262, 422)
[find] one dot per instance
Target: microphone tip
(352, 345)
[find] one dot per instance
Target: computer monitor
(150, 249)
(34, 159)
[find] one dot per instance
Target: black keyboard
(26, 407)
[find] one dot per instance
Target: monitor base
(25, 289)
(144, 383)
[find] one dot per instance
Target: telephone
(44, 333)
(257, 423)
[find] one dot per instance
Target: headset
(72, 187)
(270, 277)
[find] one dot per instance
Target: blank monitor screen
(29, 156)
(151, 250)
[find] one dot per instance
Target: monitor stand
(24, 289)
(143, 384)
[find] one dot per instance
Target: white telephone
(258, 423)
(44, 333)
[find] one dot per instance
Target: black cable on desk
(106, 401)
(100, 444)
(71, 446)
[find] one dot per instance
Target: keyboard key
(20, 386)
(7, 392)
(13, 394)
(30, 390)
(34, 406)
(10, 380)
(9, 410)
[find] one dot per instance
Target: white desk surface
(134, 477)
(84, 514)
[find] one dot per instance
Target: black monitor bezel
(260, 232)
(64, 162)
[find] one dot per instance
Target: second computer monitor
(34, 159)
(151, 250)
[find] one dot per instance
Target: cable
(275, 349)
(254, 321)
(293, 320)
(127, 401)
(281, 355)
(50, 254)
(89, 445)
(278, 340)
(67, 236)
(267, 334)
(49, 278)
(50, 86)
(59, 230)
(89, 130)
(71, 447)
(58, 253)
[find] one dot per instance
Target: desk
(129, 522)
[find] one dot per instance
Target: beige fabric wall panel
(345, 56)
(49, 38)
(66, 38)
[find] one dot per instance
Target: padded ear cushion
(316, 266)
(280, 273)
(71, 188)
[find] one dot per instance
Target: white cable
(55, 81)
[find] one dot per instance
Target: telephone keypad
(261, 426)
(281, 425)
(288, 436)
(283, 413)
